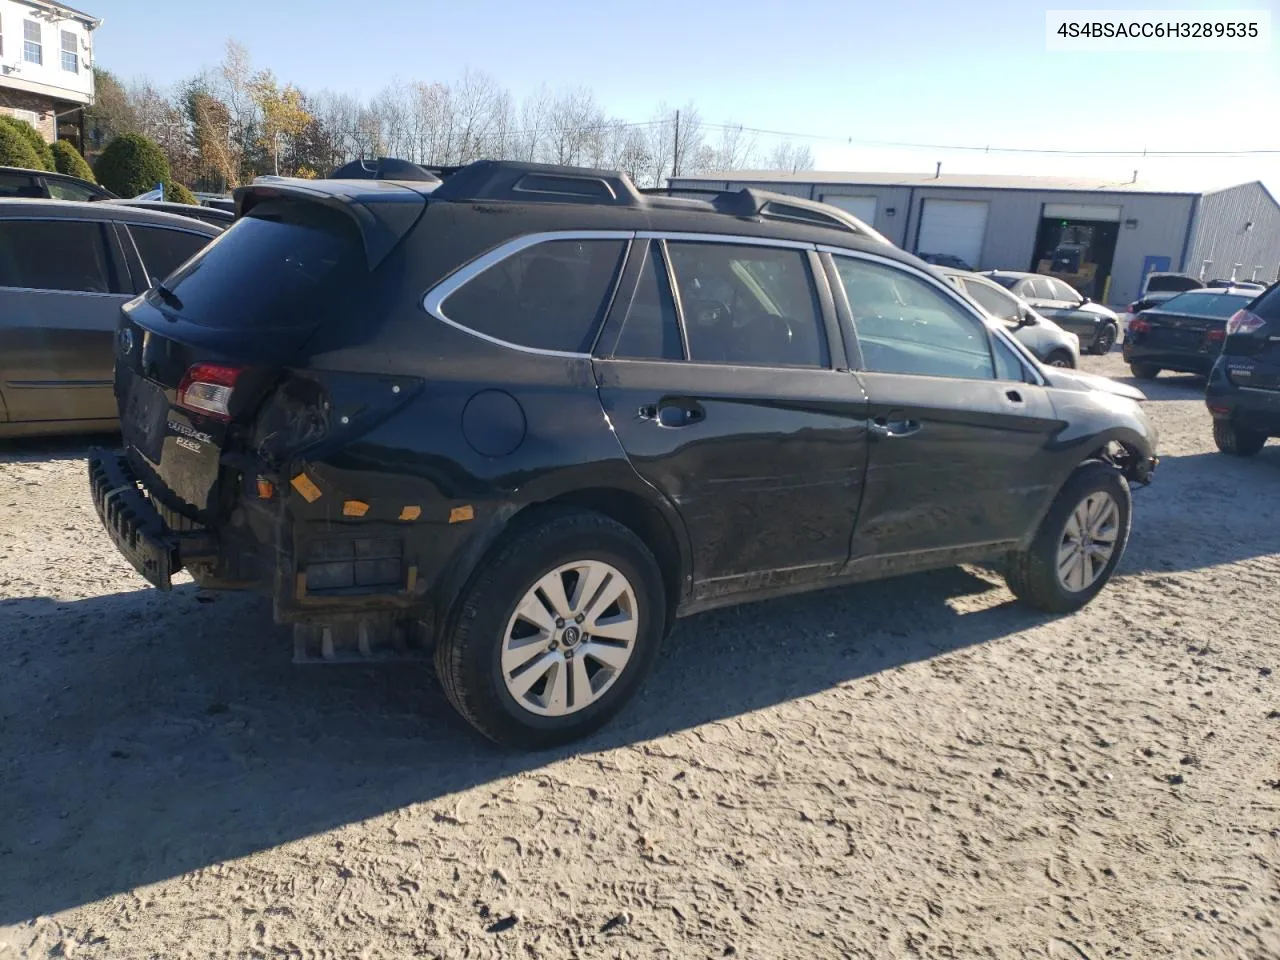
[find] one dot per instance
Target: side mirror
(1025, 320)
(1084, 300)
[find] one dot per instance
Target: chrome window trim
(67, 293)
(434, 300)
(949, 291)
(729, 239)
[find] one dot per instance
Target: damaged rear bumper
(135, 525)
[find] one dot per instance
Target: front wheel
(1060, 358)
(1236, 442)
(556, 631)
(1105, 340)
(1079, 543)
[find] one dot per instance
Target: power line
(1145, 152)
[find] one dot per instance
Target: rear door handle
(671, 414)
(894, 429)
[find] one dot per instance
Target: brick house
(46, 66)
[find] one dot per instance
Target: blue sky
(935, 72)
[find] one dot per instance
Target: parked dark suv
(1243, 393)
(528, 416)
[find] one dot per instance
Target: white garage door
(955, 227)
(864, 208)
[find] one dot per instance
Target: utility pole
(675, 149)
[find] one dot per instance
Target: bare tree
(791, 158)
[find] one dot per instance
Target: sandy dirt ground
(918, 768)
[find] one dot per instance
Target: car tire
(1105, 340)
(1236, 442)
(482, 662)
(1144, 371)
(1060, 571)
(1060, 358)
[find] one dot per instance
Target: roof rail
(749, 203)
(517, 180)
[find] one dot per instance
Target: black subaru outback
(1243, 393)
(523, 417)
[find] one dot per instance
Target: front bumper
(134, 524)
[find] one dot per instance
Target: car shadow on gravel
(51, 449)
(144, 736)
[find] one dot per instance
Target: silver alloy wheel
(1088, 541)
(1059, 362)
(570, 638)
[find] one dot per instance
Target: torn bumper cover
(134, 524)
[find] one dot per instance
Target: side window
(54, 255)
(551, 296)
(651, 330)
(750, 305)
(18, 185)
(996, 302)
(1008, 366)
(163, 251)
(904, 325)
(1063, 292)
(63, 190)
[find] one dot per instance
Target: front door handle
(886, 429)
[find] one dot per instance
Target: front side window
(906, 326)
(651, 330)
(32, 47)
(1008, 366)
(999, 304)
(163, 251)
(747, 304)
(65, 190)
(1062, 291)
(67, 255)
(70, 52)
(551, 296)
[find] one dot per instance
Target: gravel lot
(912, 769)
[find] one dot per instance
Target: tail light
(206, 388)
(1138, 325)
(1217, 335)
(1242, 321)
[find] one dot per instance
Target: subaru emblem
(126, 341)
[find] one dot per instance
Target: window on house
(32, 48)
(70, 52)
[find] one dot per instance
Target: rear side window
(163, 251)
(1063, 292)
(1267, 306)
(651, 330)
(749, 305)
(18, 185)
(281, 266)
(69, 255)
(551, 296)
(1171, 283)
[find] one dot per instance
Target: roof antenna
(1135, 177)
(937, 173)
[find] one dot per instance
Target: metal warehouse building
(1100, 236)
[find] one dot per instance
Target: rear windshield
(1205, 304)
(280, 266)
(1171, 283)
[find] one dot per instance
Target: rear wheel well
(637, 515)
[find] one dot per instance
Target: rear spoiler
(382, 211)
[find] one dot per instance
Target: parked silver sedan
(1051, 344)
(66, 268)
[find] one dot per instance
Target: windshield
(1205, 304)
